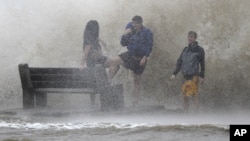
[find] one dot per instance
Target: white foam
(68, 126)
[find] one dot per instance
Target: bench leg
(92, 99)
(41, 99)
(28, 99)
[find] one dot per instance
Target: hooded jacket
(191, 61)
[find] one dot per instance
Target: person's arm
(177, 67)
(103, 46)
(102, 43)
(143, 60)
(125, 36)
(202, 65)
(149, 46)
(84, 55)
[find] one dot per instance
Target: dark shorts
(132, 62)
(92, 62)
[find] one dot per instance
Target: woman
(92, 50)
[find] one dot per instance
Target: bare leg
(196, 103)
(137, 87)
(112, 72)
(113, 64)
(186, 104)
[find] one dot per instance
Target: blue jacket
(139, 44)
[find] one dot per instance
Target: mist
(46, 33)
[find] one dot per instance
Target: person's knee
(114, 61)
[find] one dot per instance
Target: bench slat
(58, 70)
(64, 90)
(63, 77)
(62, 84)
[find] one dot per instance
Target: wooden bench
(38, 82)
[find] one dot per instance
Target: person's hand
(127, 31)
(201, 80)
(143, 61)
(172, 77)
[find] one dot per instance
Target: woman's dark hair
(91, 32)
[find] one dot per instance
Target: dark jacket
(191, 62)
(139, 44)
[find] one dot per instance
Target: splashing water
(50, 34)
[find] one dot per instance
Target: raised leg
(114, 65)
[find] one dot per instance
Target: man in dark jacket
(192, 65)
(139, 42)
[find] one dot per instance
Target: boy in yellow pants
(192, 65)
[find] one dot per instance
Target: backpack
(190, 62)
